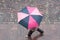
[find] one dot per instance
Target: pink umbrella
(29, 17)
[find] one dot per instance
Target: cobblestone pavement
(11, 30)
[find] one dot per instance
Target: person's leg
(41, 31)
(30, 33)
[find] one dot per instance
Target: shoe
(42, 33)
(28, 36)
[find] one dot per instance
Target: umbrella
(29, 17)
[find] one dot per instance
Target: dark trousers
(31, 31)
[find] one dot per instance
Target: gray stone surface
(11, 30)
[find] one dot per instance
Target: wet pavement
(17, 32)
(11, 30)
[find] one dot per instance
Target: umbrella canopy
(29, 17)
